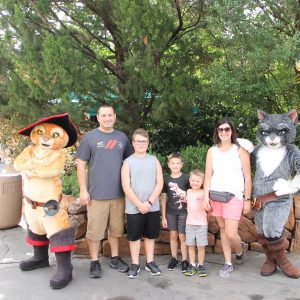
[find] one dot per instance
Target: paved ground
(244, 283)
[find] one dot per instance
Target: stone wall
(77, 215)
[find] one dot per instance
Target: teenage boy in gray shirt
(103, 149)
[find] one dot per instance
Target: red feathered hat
(62, 120)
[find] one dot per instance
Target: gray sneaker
(95, 269)
(152, 268)
(202, 271)
(240, 259)
(191, 270)
(119, 264)
(133, 271)
(225, 270)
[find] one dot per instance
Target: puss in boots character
(277, 159)
(41, 164)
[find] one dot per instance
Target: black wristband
(149, 202)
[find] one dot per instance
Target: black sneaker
(95, 269)
(119, 264)
(133, 271)
(172, 264)
(184, 265)
(152, 268)
(201, 271)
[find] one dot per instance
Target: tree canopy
(172, 66)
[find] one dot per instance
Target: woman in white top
(228, 170)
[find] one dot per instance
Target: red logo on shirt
(111, 144)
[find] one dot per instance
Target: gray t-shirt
(104, 153)
(142, 172)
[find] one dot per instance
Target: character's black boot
(63, 275)
(62, 243)
(40, 258)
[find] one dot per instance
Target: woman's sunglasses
(226, 129)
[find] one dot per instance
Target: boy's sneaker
(95, 269)
(172, 264)
(225, 270)
(133, 271)
(152, 268)
(201, 271)
(119, 264)
(191, 270)
(184, 266)
(240, 259)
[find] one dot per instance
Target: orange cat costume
(41, 165)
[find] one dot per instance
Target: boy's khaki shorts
(103, 214)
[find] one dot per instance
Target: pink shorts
(230, 210)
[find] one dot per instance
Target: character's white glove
(285, 187)
(246, 144)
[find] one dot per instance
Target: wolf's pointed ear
(293, 115)
(261, 114)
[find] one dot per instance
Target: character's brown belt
(258, 201)
(34, 204)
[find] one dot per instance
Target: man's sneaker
(119, 264)
(152, 268)
(95, 269)
(172, 264)
(240, 259)
(225, 270)
(133, 271)
(184, 265)
(201, 271)
(191, 270)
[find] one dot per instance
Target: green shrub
(160, 158)
(194, 157)
(70, 184)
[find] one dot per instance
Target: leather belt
(34, 204)
(258, 201)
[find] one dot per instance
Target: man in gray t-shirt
(103, 150)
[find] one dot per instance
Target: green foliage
(160, 158)
(194, 157)
(173, 67)
(70, 184)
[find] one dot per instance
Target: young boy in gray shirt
(142, 182)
